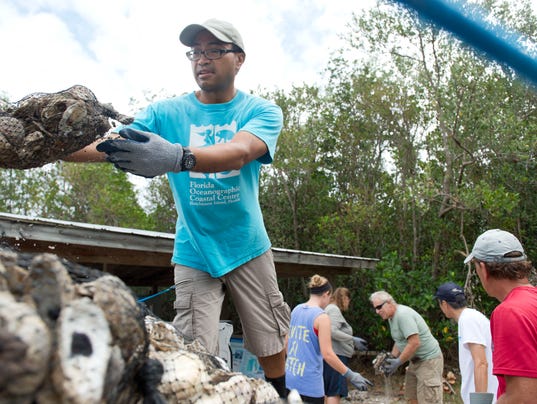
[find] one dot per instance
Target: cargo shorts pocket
(183, 302)
(432, 390)
(281, 312)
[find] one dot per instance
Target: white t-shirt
(474, 328)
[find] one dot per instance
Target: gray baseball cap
(493, 245)
(222, 30)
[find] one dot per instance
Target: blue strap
(143, 299)
(495, 41)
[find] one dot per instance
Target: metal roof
(140, 257)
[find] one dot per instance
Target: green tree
(444, 129)
(295, 189)
(99, 193)
(160, 205)
(90, 193)
(430, 144)
(23, 192)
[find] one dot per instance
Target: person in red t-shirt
(503, 268)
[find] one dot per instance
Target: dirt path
(389, 391)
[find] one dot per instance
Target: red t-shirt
(513, 326)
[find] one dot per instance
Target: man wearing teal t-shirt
(211, 144)
(415, 343)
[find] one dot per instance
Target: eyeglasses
(377, 308)
(211, 54)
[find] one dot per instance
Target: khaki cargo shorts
(253, 288)
(423, 381)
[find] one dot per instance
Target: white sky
(123, 48)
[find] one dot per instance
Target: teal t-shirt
(406, 322)
(219, 221)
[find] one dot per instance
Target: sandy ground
(387, 396)
(390, 390)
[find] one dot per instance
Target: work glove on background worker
(390, 365)
(357, 380)
(360, 344)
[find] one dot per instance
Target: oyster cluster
(379, 362)
(45, 127)
(71, 334)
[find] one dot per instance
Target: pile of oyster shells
(71, 334)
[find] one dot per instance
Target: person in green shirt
(413, 342)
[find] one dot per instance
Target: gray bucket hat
(493, 245)
(222, 30)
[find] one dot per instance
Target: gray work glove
(143, 153)
(360, 343)
(357, 380)
(390, 366)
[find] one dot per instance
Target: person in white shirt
(475, 342)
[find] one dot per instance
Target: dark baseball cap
(222, 30)
(449, 292)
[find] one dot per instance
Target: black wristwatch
(188, 161)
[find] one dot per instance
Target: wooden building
(142, 258)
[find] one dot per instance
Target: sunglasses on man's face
(377, 308)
